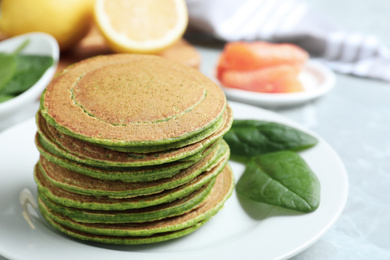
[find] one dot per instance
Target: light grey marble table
(355, 119)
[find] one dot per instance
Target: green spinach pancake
(131, 150)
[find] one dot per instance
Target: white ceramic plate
(238, 231)
(316, 79)
(24, 105)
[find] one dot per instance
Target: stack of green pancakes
(131, 150)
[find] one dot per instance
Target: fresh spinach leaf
(8, 65)
(7, 69)
(30, 69)
(4, 98)
(282, 179)
(248, 138)
(20, 72)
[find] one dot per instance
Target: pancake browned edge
(148, 232)
(128, 100)
(91, 154)
(174, 208)
(132, 150)
(80, 201)
(82, 184)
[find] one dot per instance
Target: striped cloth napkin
(292, 21)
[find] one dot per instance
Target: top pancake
(125, 100)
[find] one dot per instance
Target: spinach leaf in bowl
(19, 72)
(29, 69)
(7, 68)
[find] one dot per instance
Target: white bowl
(26, 104)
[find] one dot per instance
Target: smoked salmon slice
(261, 66)
(275, 79)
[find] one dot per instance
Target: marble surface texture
(354, 118)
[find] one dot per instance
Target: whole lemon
(66, 20)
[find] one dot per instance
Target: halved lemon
(141, 26)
